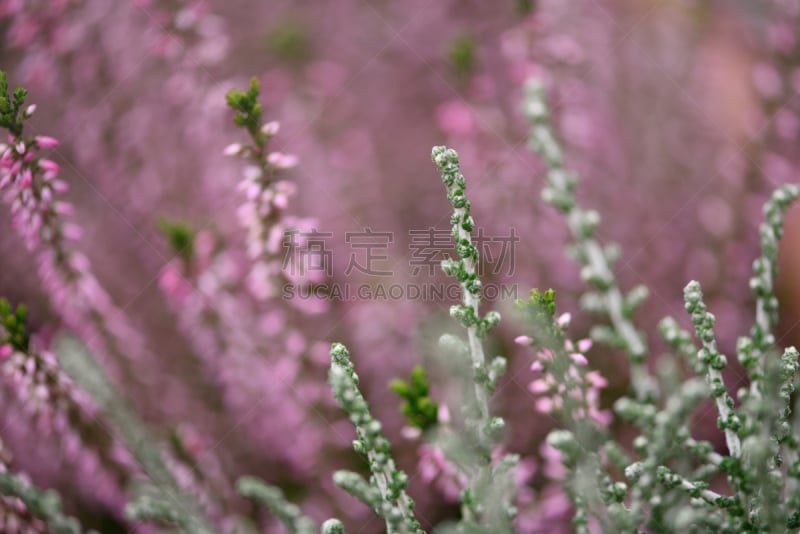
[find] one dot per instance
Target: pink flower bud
(596, 379)
(46, 142)
(523, 340)
(444, 414)
(48, 166)
(27, 179)
(271, 128)
(281, 160)
(564, 319)
(72, 232)
(233, 150)
(63, 208)
(584, 345)
(60, 186)
(5, 351)
(544, 405)
(410, 432)
(601, 417)
(281, 201)
(538, 386)
(578, 358)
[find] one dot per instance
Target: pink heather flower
(553, 467)
(49, 166)
(6, 351)
(281, 201)
(271, 128)
(584, 345)
(280, 160)
(578, 358)
(434, 468)
(539, 386)
(443, 415)
(60, 186)
(410, 432)
(46, 142)
(234, 149)
(252, 191)
(537, 366)
(72, 231)
(545, 354)
(524, 472)
(27, 179)
(172, 283)
(544, 405)
(62, 208)
(596, 379)
(523, 340)
(601, 417)
(564, 320)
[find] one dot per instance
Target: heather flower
(161, 498)
(665, 428)
(262, 215)
(30, 509)
(482, 429)
(385, 491)
(50, 399)
(236, 329)
(30, 185)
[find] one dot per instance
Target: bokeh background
(680, 116)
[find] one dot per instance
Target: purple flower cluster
(678, 119)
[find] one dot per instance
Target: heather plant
(252, 376)
(756, 432)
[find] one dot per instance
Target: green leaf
(420, 410)
(461, 56)
(180, 236)
(12, 326)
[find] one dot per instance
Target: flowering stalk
(44, 505)
(30, 185)
(752, 350)
(596, 260)
(59, 408)
(483, 427)
(267, 196)
(14, 516)
(467, 312)
(229, 331)
(24, 506)
(385, 491)
(755, 432)
(665, 437)
(231, 339)
(168, 501)
(714, 363)
(274, 500)
(564, 386)
(565, 389)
